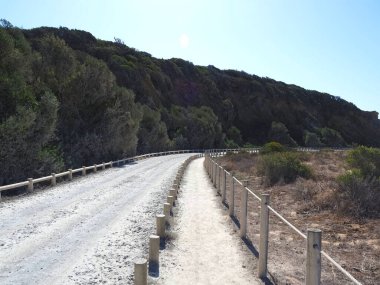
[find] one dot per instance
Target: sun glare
(184, 41)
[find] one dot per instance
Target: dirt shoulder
(353, 243)
(205, 248)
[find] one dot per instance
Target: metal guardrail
(218, 176)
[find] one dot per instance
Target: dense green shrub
(365, 159)
(312, 140)
(282, 166)
(272, 147)
(359, 188)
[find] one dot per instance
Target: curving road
(87, 231)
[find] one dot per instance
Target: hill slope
(69, 99)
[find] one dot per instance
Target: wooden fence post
(313, 257)
(232, 203)
(53, 179)
(264, 232)
(244, 204)
(224, 186)
(30, 185)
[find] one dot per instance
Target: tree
(279, 133)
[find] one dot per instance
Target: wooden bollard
(167, 208)
(83, 170)
(170, 200)
(53, 179)
(313, 257)
(173, 192)
(70, 174)
(160, 225)
(154, 252)
(141, 272)
(103, 166)
(30, 185)
(95, 168)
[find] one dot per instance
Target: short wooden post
(232, 203)
(313, 257)
(264, 233)
(30, 185)
(83, 170)
(53, 179)
(111, 164)
(224, 185)
(170, 200)
(244, 204)
(154, 252)
(103, 166)
(70, 174)
(173, 192)
(141, 272)
(160, 225)
(167, 208)
(95, 168)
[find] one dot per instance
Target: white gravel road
(87, 231)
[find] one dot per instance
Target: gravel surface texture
(87, 231)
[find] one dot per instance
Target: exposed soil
(353, 243)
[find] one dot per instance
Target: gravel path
(88, 231)
(206, 249)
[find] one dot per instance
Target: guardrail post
(154, 252)
(95, 168)
(83, 170)
(70, 174)
(224, 175)
(30, 185)
(103, 166)
(111, 164)
(244, 202)
(232, 203)
(313, 257)
(160, 225)
(53, 179)
(141, 272)
(264, 232)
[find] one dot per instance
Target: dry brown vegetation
(354, 243)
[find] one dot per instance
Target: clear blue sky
(331, 46)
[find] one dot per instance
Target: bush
(282, 166)
(365, 159)
(359, 196)
(359, 188)
(272, 147)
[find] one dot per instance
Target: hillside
(69, 99)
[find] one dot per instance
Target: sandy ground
(205, 248)
(88, 231)
(353, 244)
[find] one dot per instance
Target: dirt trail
(206, 249)
(88, 231)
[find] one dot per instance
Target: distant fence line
(30, 182)
(218, 176)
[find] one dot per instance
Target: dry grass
(355, 244)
